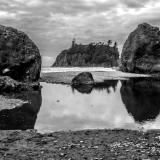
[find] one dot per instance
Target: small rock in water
(84, 78)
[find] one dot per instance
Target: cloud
(136, 3)
(5, 14)
(47, 61)
(52, 24)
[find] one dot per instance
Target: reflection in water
(141, 98)
(87, 89)
(64, 110)
(105, 105)
(22, 117)
(106, 85)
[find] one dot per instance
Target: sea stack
(141, 51)
(91, 55)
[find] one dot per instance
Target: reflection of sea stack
(107, 84)
(141, 98)
(22, 117)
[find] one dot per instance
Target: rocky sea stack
(92, 55)
(141, 51)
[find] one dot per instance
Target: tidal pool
(132, 104)
(129, 104)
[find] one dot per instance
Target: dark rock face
(141, 51)
(22, 117)
(84, 78)
(9, 85)
(88, 55)
(141, 98)
(19, 56)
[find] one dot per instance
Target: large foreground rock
(19, 56)
(141, 51)
(84, 78)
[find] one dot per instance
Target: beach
(92, 144)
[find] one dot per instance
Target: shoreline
(98, 76)
(92, 144)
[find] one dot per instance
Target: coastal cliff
(93, 54)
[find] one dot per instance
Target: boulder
(84, 78)
(19, 56)
(141, 51)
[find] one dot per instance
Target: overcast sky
(52, 24)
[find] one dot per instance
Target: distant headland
(91, 55)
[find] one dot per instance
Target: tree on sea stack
(109, 42)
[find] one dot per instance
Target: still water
(132, 104)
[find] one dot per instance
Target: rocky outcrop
(24, 116)
(19, 56)
(88, 55)
(9, 85)
(141, 51)
(84, 78)
(140, 98)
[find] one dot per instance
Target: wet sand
(79, 145)
(66, 77)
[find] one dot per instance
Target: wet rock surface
(80, 145)
(84, 78)
(19, 56)
(9, 85)
(88, 55)
(22, 116)
(141, 50)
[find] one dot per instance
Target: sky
(52, 24)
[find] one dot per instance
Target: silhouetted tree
(109, 42)
(115, 44)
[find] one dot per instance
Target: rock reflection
(22, 117)
(141, 98)
(87, 89)
(106, 85)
